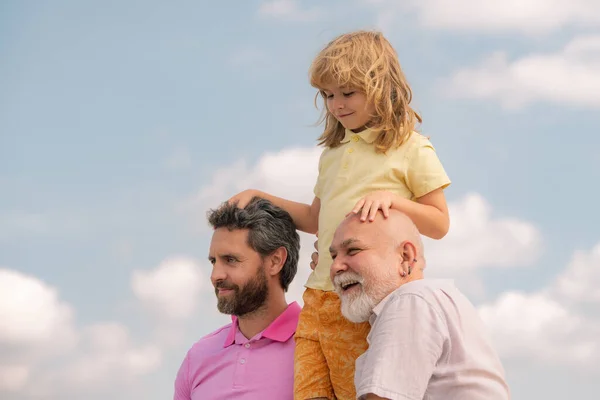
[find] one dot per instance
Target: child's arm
(305, 216)
(429, 212)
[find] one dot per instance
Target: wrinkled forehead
(352, 228)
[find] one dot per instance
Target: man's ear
(275, 261)
(407, 254)
(409, 251)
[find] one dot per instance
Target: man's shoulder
(432, 293)
(427, 288)
(211, 342)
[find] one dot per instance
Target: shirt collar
(367, 135)
(280, 330)
(377, 309)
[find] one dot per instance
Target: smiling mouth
(348, 285)
(344, 115)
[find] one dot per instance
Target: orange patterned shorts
(327, 345)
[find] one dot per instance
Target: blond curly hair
(367, 62)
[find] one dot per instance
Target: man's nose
(217, 274)
(337, 266)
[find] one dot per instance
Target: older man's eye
(352, 252)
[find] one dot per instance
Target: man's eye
(353, 251)
(230, 260)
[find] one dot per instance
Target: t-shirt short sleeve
(424, 171)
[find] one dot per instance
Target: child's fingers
(367, 210)
(316, 245)
(360, 204)
(386, 210)
(374, 208)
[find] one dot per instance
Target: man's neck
(257, 321)
(414, 276)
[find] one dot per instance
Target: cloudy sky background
(122, 123)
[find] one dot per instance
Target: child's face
(349, 106)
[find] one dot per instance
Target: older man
(426, 339)
(254, 254)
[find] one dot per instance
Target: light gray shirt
(427, 342)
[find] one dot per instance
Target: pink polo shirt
(227, 365)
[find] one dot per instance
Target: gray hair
(269, 228)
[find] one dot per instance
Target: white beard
(359, 308)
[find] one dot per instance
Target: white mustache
(346, 278)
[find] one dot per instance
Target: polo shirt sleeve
(407, 340)
(424, 171)
(183, 390)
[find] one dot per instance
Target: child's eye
(327, 96)
(348, 94)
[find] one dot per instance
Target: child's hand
(243, 198)
(379, 200)
(314, 257)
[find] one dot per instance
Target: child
(373, 160)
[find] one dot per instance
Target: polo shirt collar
(368, 135)
(280, 330)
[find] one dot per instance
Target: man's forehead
(223, 237)
(358, 231)
(345, 242)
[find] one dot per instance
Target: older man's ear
(407, 254)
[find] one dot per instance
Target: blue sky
(122, 123)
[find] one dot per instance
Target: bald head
(371, 259)
(395, 229)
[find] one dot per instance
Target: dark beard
(252, 296)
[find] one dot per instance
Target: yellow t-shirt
(351, 171)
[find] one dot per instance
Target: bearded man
(426, 340)
(254, 257)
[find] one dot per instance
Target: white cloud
(536, 327)
(547, 325)
(288, 10)
(43, 354)
(291, 173)
(477, 239)
(31, 313)
(110, 356)
(493, 16)
(581, 281)
(13, 377)
(570, 76)
(172, 289)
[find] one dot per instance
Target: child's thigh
(311, 373)
(342, 342)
